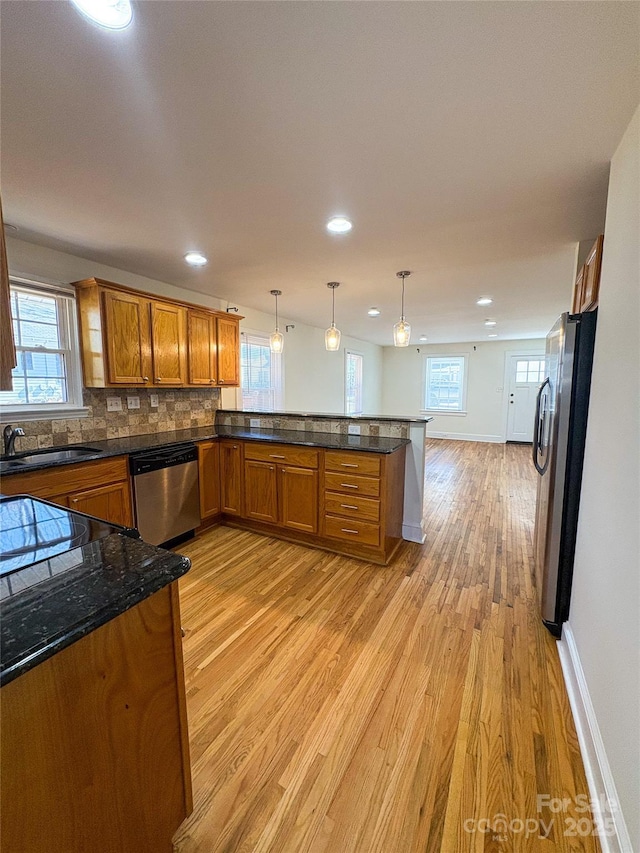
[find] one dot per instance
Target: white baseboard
(413, 533)
(602, 788)
(463, 436)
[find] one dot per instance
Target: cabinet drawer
(283, 454)
(363, 532)
(356, 463)
(352, 484)
(352, 506)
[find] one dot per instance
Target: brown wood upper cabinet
(586, 290)
(202, 343)
(228, 332)
(133, 339)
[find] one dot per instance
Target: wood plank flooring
(340, 707)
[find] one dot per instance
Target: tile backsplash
(180, 408)
(368, 427)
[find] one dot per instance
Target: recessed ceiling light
(484, 300)
(373, 312)
(494, 335)
(423, 338)
(490, 323)
(339, 225)
(111, 14)
(195, 259)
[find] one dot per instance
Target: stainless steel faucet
(9, 435)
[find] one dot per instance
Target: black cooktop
(33, 530)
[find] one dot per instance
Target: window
(353, 383)
(445, 383)
(46, 379)
(530, 370)
(261, 372)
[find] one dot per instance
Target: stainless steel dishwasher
(166, 495)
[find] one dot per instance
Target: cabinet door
(209, 471)
(578, 291)
(128, 338)
(231, 477)
(591, 286)
(110, 503)
(260, 491)
(169, 343)
(201, 348)
(228, 343)
(298, 490)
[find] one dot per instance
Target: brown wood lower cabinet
(209, 477)
(101, 488)
(349, 502)
(231, 477)
(95, 751)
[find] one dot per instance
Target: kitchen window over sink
(47, 378)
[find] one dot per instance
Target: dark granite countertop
(48, 606)
(110, 447)
(330, 441)
(328, 416)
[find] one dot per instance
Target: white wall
(313, 377)
(605, 605)
(403, 386)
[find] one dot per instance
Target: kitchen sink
(49, 455)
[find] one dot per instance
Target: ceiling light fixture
(494, 335)
(339, 225)
(423, 338)
(402, 329)
(110, 14)
(332, 335)
(195, 259)
(276, 338)
(373, 312)
(484, 300)
(490, 323)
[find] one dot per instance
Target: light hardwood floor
(336, 706)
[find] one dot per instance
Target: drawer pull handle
(349, 465)
(348, 486)
(348, 530)
(277, 456)
(348, 506)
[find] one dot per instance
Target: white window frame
(68, 330)
(277, 373)
(462, 411)
(347, 353)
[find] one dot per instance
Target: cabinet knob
(222, 380)
(145, 378)
(158, 379)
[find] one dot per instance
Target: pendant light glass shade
(276, 338)
(401, 333)
(402, 329)
(332, 335)
(332, 338)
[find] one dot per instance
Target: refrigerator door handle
(538, 432)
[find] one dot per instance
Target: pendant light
(276, 338)
(332, 335)
(402, 329)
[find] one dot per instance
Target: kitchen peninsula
(94, 730)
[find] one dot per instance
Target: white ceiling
(468, 141)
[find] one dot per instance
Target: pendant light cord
(333, 308)
(277, 329)
(402, 309)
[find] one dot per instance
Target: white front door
(526, 374)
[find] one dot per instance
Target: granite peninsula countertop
(137, 443)
(408, 419)
(305, 438)
(47, 606)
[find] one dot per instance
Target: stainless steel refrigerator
(559, 436)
